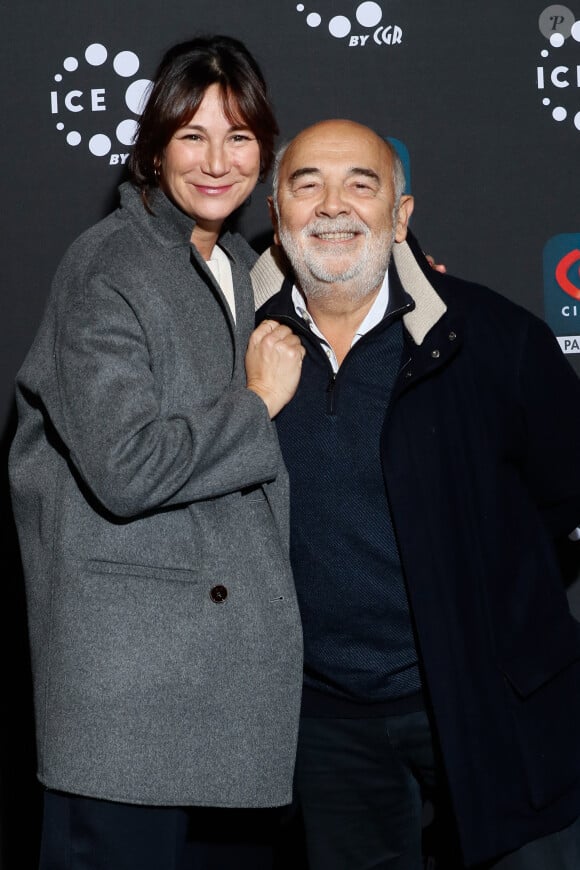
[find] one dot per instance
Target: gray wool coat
(151, 504)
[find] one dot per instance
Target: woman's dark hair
(184, 75)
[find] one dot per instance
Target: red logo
(563, 268)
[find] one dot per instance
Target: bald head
(338, 208)
(339, 130)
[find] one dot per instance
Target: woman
(151, 498)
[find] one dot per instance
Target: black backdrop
(485, 97)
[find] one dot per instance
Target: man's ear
(405, 211)
(273, 218)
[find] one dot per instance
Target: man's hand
(273, 364)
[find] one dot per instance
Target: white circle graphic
(577, 120)
(137, 95)
(99, 145)
(96, 54)
(126, 64)
(557, 23)
(339, 26)
(313, 20)
(369, 14)
(95, 97)
(126, 131)
(300, 7)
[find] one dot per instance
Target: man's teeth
(335, 236)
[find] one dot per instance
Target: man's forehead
(342, 147)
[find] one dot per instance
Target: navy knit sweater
(359, 644)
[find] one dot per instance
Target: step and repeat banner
(483, 100)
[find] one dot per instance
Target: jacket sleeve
(108, 410)
(550, 395)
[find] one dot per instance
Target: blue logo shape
(403, 153)
(562, 289)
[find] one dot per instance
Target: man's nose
(332, 202)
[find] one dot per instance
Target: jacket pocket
(150, 572)
(556, 647)
(544, 684)
(125, 631)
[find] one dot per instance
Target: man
(432, 447)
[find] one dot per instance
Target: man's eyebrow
(306, 170)
(353, 170)
(367, 173)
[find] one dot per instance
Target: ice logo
(91, 101)
(558, 75)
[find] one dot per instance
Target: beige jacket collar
(270, 270)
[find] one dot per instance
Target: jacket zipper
(331, 387)
(330, 394)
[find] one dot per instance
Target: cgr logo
(91, 100)
(367, 15)
(558, 75)
(569, 265)
(562, 289)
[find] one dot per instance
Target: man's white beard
(314, 271)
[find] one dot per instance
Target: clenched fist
(273, 362)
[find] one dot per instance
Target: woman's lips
(207, 190)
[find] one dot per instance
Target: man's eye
(363, 186)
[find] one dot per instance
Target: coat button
(218, 594)
(408, 373)
(452, 336)
(435, 354)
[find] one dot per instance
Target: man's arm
(550, 396)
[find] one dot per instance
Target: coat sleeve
(550, 395)
(133, 457)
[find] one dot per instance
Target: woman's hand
(439, 267)
(273, 364)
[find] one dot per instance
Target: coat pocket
(151, 572)
(545, 699)
(124, 629)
